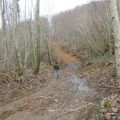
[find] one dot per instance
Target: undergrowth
(101, 60)
(107, 109)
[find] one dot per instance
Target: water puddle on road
(79, 87)
(81, 84)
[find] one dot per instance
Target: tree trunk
(110, 32)
(49, 50)
(116, 32)
(3, 17)
(0, 14)
(37, 38)
(18, 64)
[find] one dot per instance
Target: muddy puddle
(79, 87)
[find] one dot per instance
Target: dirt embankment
(12, 88)
(102, 77)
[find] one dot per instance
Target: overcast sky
(51, 6)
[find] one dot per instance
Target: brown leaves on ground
(12, 88)
(102, 78)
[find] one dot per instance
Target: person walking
(56, 69)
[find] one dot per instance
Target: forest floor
(72, 96)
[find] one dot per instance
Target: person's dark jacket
(56, 67)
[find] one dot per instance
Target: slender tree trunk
(3, 16)
(116, 32)
(3, 26)
(25, 42)
(37, 38)
(49, 50)
(18, 64)
(0, 13)
(110, 31)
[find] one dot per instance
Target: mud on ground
(47, 98)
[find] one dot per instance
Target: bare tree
(18, 63)
(85, 29)
(37, 38)
(116, 31)
(2, 7)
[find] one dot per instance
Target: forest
(84, 44)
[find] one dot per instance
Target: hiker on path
(56, 69)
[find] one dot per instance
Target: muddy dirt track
(64, 98)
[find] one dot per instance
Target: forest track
(54, 100)
(68, 94)
(61, 55)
